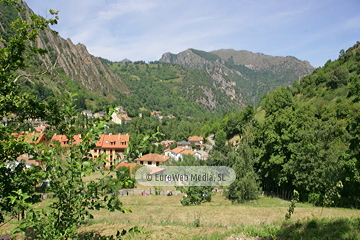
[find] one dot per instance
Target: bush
(315, 199)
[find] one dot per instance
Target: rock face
(75, 62)
(242, 75)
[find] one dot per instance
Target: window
(149, 163)
(142, 162)
(157, 164)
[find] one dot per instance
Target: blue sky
(312, 30)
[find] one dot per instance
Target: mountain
(68, 65)
(191, 83)
(242, 75)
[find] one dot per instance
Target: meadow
(163, 217)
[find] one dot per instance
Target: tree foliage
(65, 168)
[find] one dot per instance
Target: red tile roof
(189, 152)
(32, 137)
(153, 157)
(195, 139)
(113, 141)
(40, 129)
(177, 150)
(64, 141)
(105, 141)
(154, 169)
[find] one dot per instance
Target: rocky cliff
(74, 61)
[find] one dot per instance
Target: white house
(178, 153)
(201, 155)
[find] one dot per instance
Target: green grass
(163, 217)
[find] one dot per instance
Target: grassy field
(163, 217)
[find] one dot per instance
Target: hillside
(172, 88)
(305, 137)
(242, 75)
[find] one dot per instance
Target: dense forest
(305, 137)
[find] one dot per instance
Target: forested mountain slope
(242, 75)
(305, 137)
(172, 89)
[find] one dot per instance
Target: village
(113, 145)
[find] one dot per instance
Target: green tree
(13, 181)
(246, 185)
(277, 99)
(195, 195)
(220, 141)
(65, 168)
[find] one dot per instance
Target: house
(127, 119)
(171, 116)
(119, 108)
(111, 145)
(13, 164)
(99, 114)
(196, 140)
(33, 139)
(87, 113)
(116, 118)
(40, 129)
(152, 159)
(64, 141)
(154, 170)
(174, 153)
(120, 117)
(184, 145)
(167, 143)
(187, 152)
(157, 114)
(201, 155)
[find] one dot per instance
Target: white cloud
(124, 7)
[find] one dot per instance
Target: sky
(311, 30)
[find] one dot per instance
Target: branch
(27, 76)
(3, 224)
